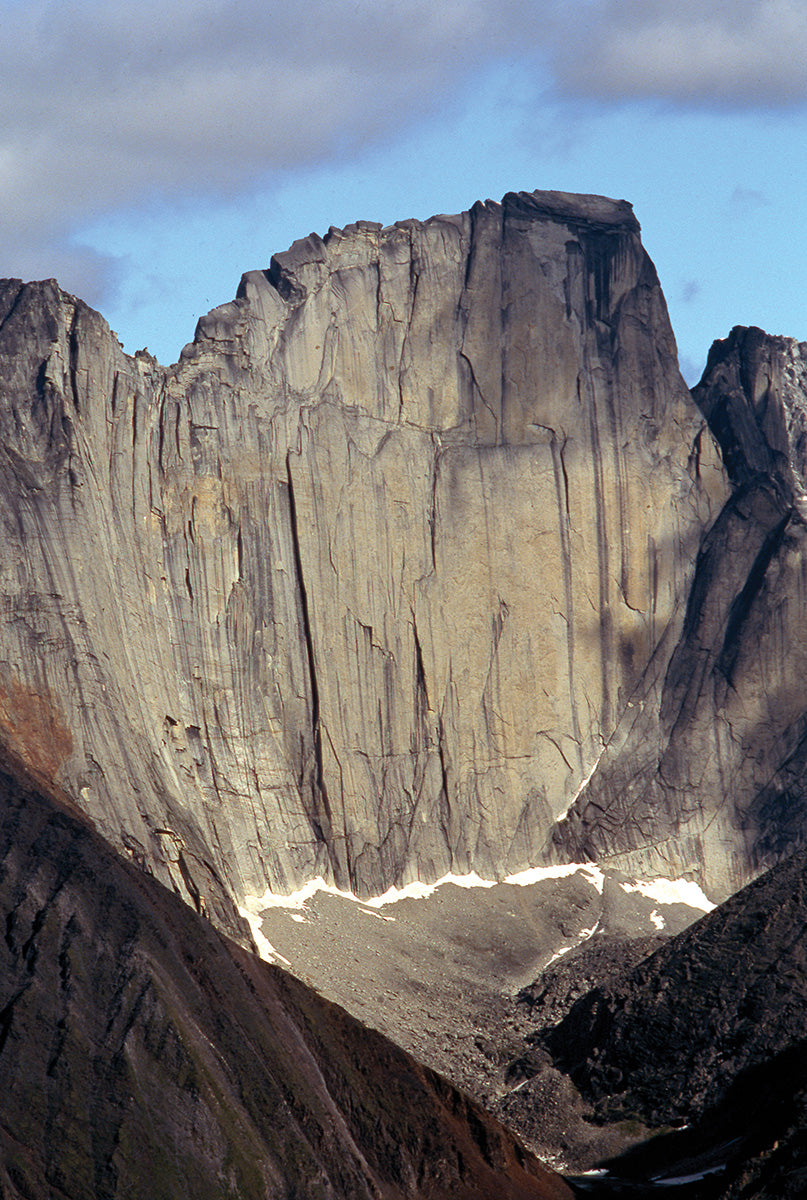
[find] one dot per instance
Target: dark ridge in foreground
(144, 1054)
(723, 996)
(709, 1032)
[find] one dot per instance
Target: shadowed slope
(142, 1054)
(713, 777)
(667, 1039)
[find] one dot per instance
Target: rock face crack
(742, 604)
(321, 823)
(564, 528)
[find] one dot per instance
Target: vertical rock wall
(365, 583)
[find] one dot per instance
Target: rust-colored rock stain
(33, 728)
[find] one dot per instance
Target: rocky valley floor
(442, 975)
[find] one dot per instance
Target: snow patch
(672, 891)
(265, 948)
(519, 1086)
(674, 1181)
(657, 919)
(581, 788)
(270, 899)
(419, 891)
(585, 934)
(370, 912)
(254, 905)
(537, 874)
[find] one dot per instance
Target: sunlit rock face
(364, 584)
(713, 778)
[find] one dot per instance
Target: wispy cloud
(749, 199)
(691, 369)
(106, 104)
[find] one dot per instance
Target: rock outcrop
(364, 584)
(709, 774)
(143, 1054)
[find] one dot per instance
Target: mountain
(142, 1053)
(364, 585)
(422, 561)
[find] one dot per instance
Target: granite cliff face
(708, 772)
(363, 585)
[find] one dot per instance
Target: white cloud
(220, 87)
(740, 53)
(106, 105)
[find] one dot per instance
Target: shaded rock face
(142, 1053)
(707, 771)
(362, 586)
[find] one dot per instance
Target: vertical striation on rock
(364, 584)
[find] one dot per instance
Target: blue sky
(150, 155)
